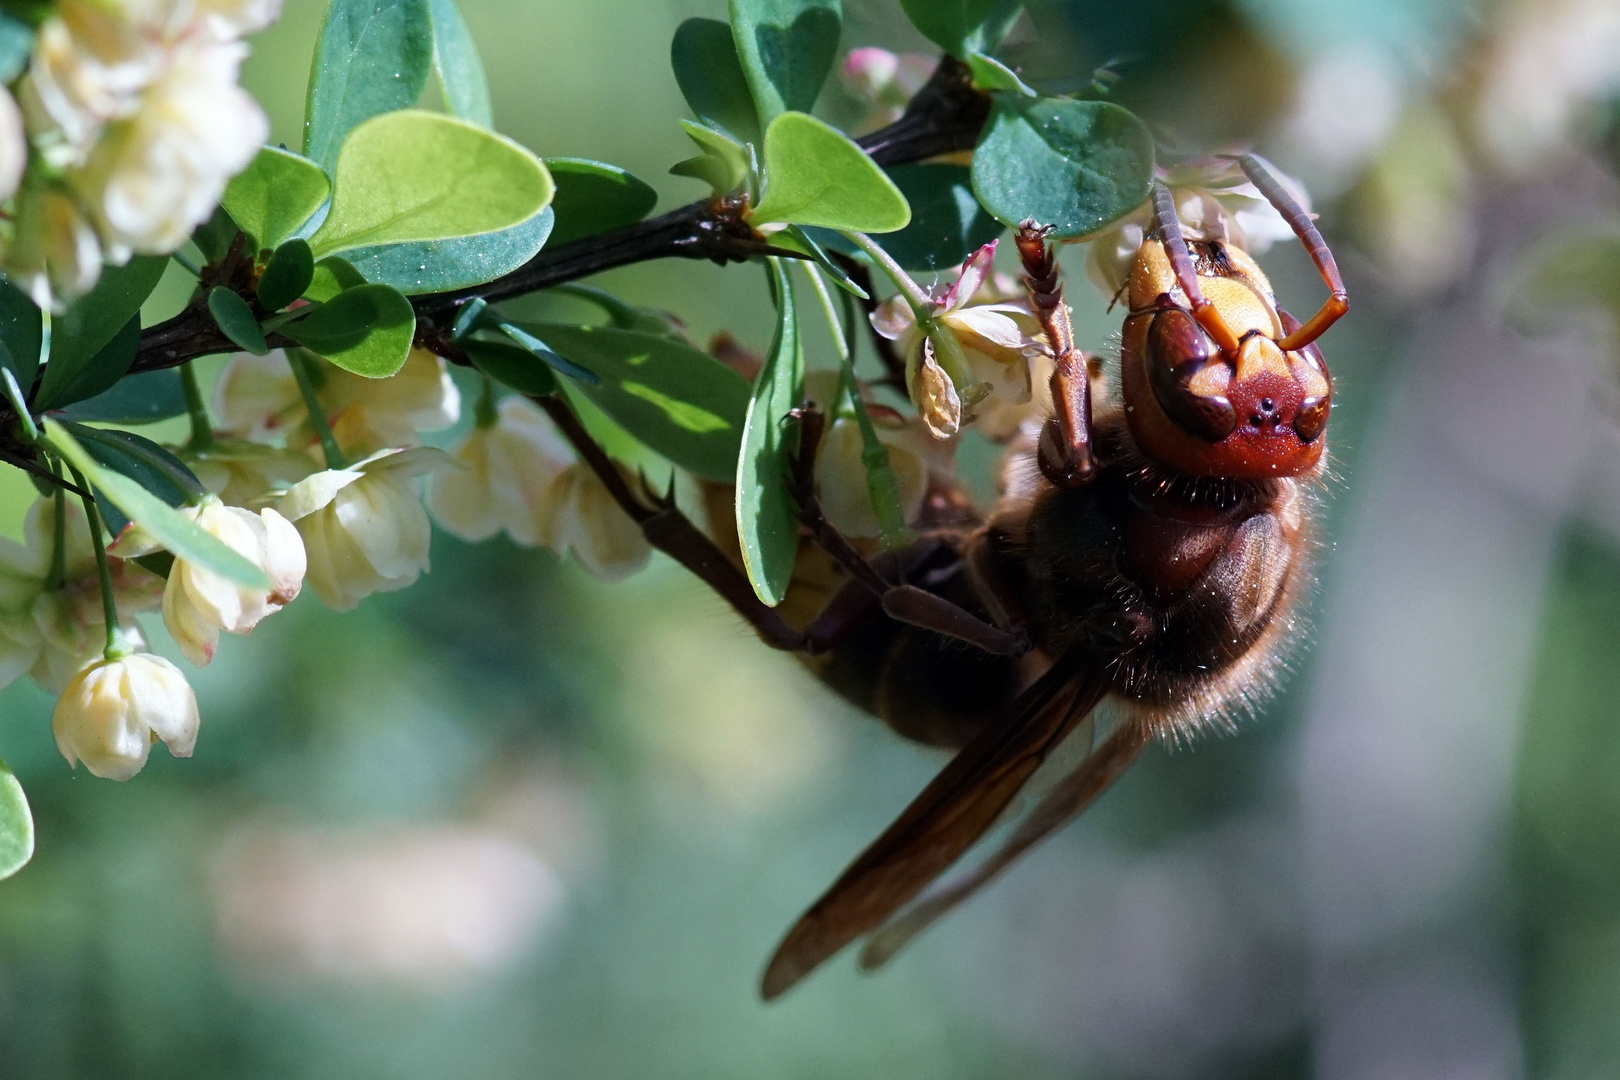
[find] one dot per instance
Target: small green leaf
(460, 71)
(373, 56)
(683, 403)
(962, 27)
(79, 336)
(20, 334)
(767, 516)
(723, 164)
(1072, 165)
(137, 399)
(511, 366)
(181, 536)
(289, 273)
(704, 56)
(16, 43)
(447, 265)
(213, 237)
(545, 352)
(236, 320)
(367, 330)
(16, 825)
(991, 74)
(815, 175)
(99, 374)
(947, 222)
(593, 197)
(273, 197)
(410, 176)
(332, 276)
(786, 48)
(799, 238)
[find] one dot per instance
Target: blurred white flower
(975, 351)
(134, 106)
(510, 465)
(112, 712)
(54, 254)
(13, 145)
(51, 631)
(242, 472)
(841, 483)
(1214, 201)
(364, 527)
(581, 516)
(198, 603)
(156, 176)
(257, 398)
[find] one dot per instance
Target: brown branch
(945, 115)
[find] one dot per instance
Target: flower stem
(302, 366)
(202, 429)
(922, 305)
(58, 572)
(484, 414)
(29, 430)
(882, 486)
(117, 647)
(186, 264)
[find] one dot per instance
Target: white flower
(13, 145)
(841, 478)
(153, 178)
(364, 527)
(50, 630)
(198, 603)
(974, 351)
(509, 466)
(884, 81)
(242, 473)
(581, 516)
(112, 712)
(257, 398)
(1214, 201)
(54, 255)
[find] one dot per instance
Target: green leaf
(704, 56)
(97, 375)
(213, 237)
(290, 272)
(961, 27)
(142, 460)
(991, 74)
(274, 196)
(460, 71)
(332, 276)
(79, 335)
(20, 334)
(16, 825)
(683, 403)
(947, 222)
(786, 48)
(138, 399)
(181, 536)
(373, 56)
(593, 197)
(545, 352)
(723, 164)
(410, 176)
(446, 265)
(366, 330)
(815, 175)
(767, 516)
(16, 43)
(236, 320)
(799, 238)
(1072, 165)
(511, 366)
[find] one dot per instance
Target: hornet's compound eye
(1189, 376)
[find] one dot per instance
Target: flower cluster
(122, 133)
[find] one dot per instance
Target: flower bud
(841, 478)
(112, 712)
(364, 527)
(581, 516)
(509, 466)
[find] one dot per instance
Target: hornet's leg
(1067, 455)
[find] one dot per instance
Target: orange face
(1261, 412)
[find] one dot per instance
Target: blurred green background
(514, 822)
